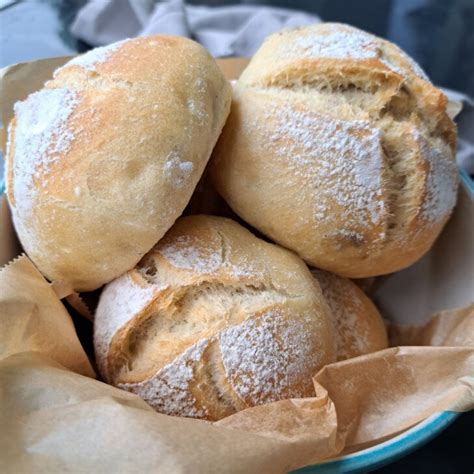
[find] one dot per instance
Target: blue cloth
(236, 30)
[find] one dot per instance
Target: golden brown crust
(339, 148)
(359, 326)
(109, 153)
(213, 320)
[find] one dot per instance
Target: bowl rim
(388, 451)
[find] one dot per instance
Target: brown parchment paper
(33, 319)
(9, 245)
(55, 417)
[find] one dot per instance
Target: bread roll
(213, 320)
(105, 157)
(359, 326)
(339, 148)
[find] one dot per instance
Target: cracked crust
(338, 147)
(93, 193)
(213, 320)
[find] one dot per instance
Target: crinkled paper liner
(56, 417)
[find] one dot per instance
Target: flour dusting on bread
(168, 391)
(94, 57)
(339, 44)
(184, 253)
(442, 180)
(42, 135)
(344, 158)
(264, 356)
(343, 42)
(177, 171)
(123, 298)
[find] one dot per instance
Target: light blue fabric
(236, 30)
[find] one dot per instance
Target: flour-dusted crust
(271, 357)
(105, 157)
(359, 326)
(213, 320)
(125, 297)
(169, 390)
(339, 148)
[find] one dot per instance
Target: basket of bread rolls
(227, 242)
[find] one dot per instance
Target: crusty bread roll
(339, 148)
(359, 326)
(213, 320)
(105, 157)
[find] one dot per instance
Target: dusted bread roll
(359, 326)
(105, 157)
(213, 320)
(339, 148)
